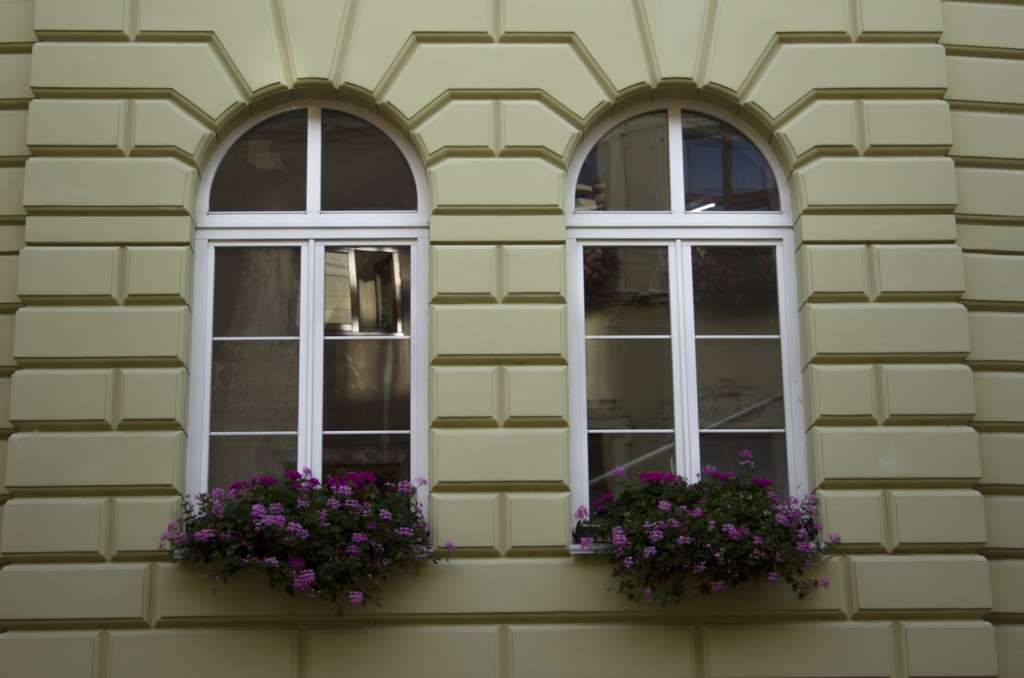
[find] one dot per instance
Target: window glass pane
(723, 169)
(735, 290)
(256, 292)
(265, 171)
(608, 451)
(739, 383)
(255, 386)
(366, 291)
(366, 385)
(626, 291)
(629, 384)
(235, 458)
(385, 456)
(362, 168)
(722, 451)
(628, 168)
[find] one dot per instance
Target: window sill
(577, 550)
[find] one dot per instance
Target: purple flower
(664, 506)
(353, 549)
(355, 597)
(761, 482)
(304, 580)
(333, 503)
(404, 531)
(421, 481)
(684, 540)
(699, 567)
(384, 514)
(297, 563)
(655, 536)
(272, 561)
(803, 547)
(293, 475)
(746, 454)
(834, 539)
(717, 586)
(587, 543)
(204, 535)
(581, 513)
(824, 583)
(773, 577)
(618, 473)
(359, 537)
(298, 530)
(627, 563)
(650, 551)
(450, 546)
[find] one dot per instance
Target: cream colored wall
(985, 45)
(905, 163)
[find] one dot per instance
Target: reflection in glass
(608, 451)
(722, 451)
(735, 290)
(366, 291)
(255, 386)
(723, 170)
(362, 168)
(739, 383)
(241, 457)
(628, 168)
(626, 290)
(265, 171)
(385, 456)
(366, 385)
(629, 384)
(256, 292)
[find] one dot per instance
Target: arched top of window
(676, 160)
(314, 161)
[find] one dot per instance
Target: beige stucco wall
(901, 125)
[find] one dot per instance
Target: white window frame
(679, 230)
(312, 231)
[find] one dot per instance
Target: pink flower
(587, 543)
(664, 506)
(773, 577)
(824, 583)
(421, 481)
(718, 586)
(355, 597)
(581, 513)
(449, 546)
(650, 551)
(359, 537)
(834, 539)
(618, 473)
(746, 454)
(627, 563)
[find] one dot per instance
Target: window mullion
(314, 150)
(678, 379)
(675, 160)
(316, 366)
(688, 333)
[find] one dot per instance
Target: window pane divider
(368, 433)
(628, 336)
(675, 160)
(254, 433)
(256, 338)
(743, 430)
(314, 161)
(630, 430)
(366, 337)
(718, 337)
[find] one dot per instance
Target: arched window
(682, 302)
(309, 348)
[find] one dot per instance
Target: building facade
(512, 292)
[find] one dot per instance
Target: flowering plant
(667, 538)
(341, 538)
